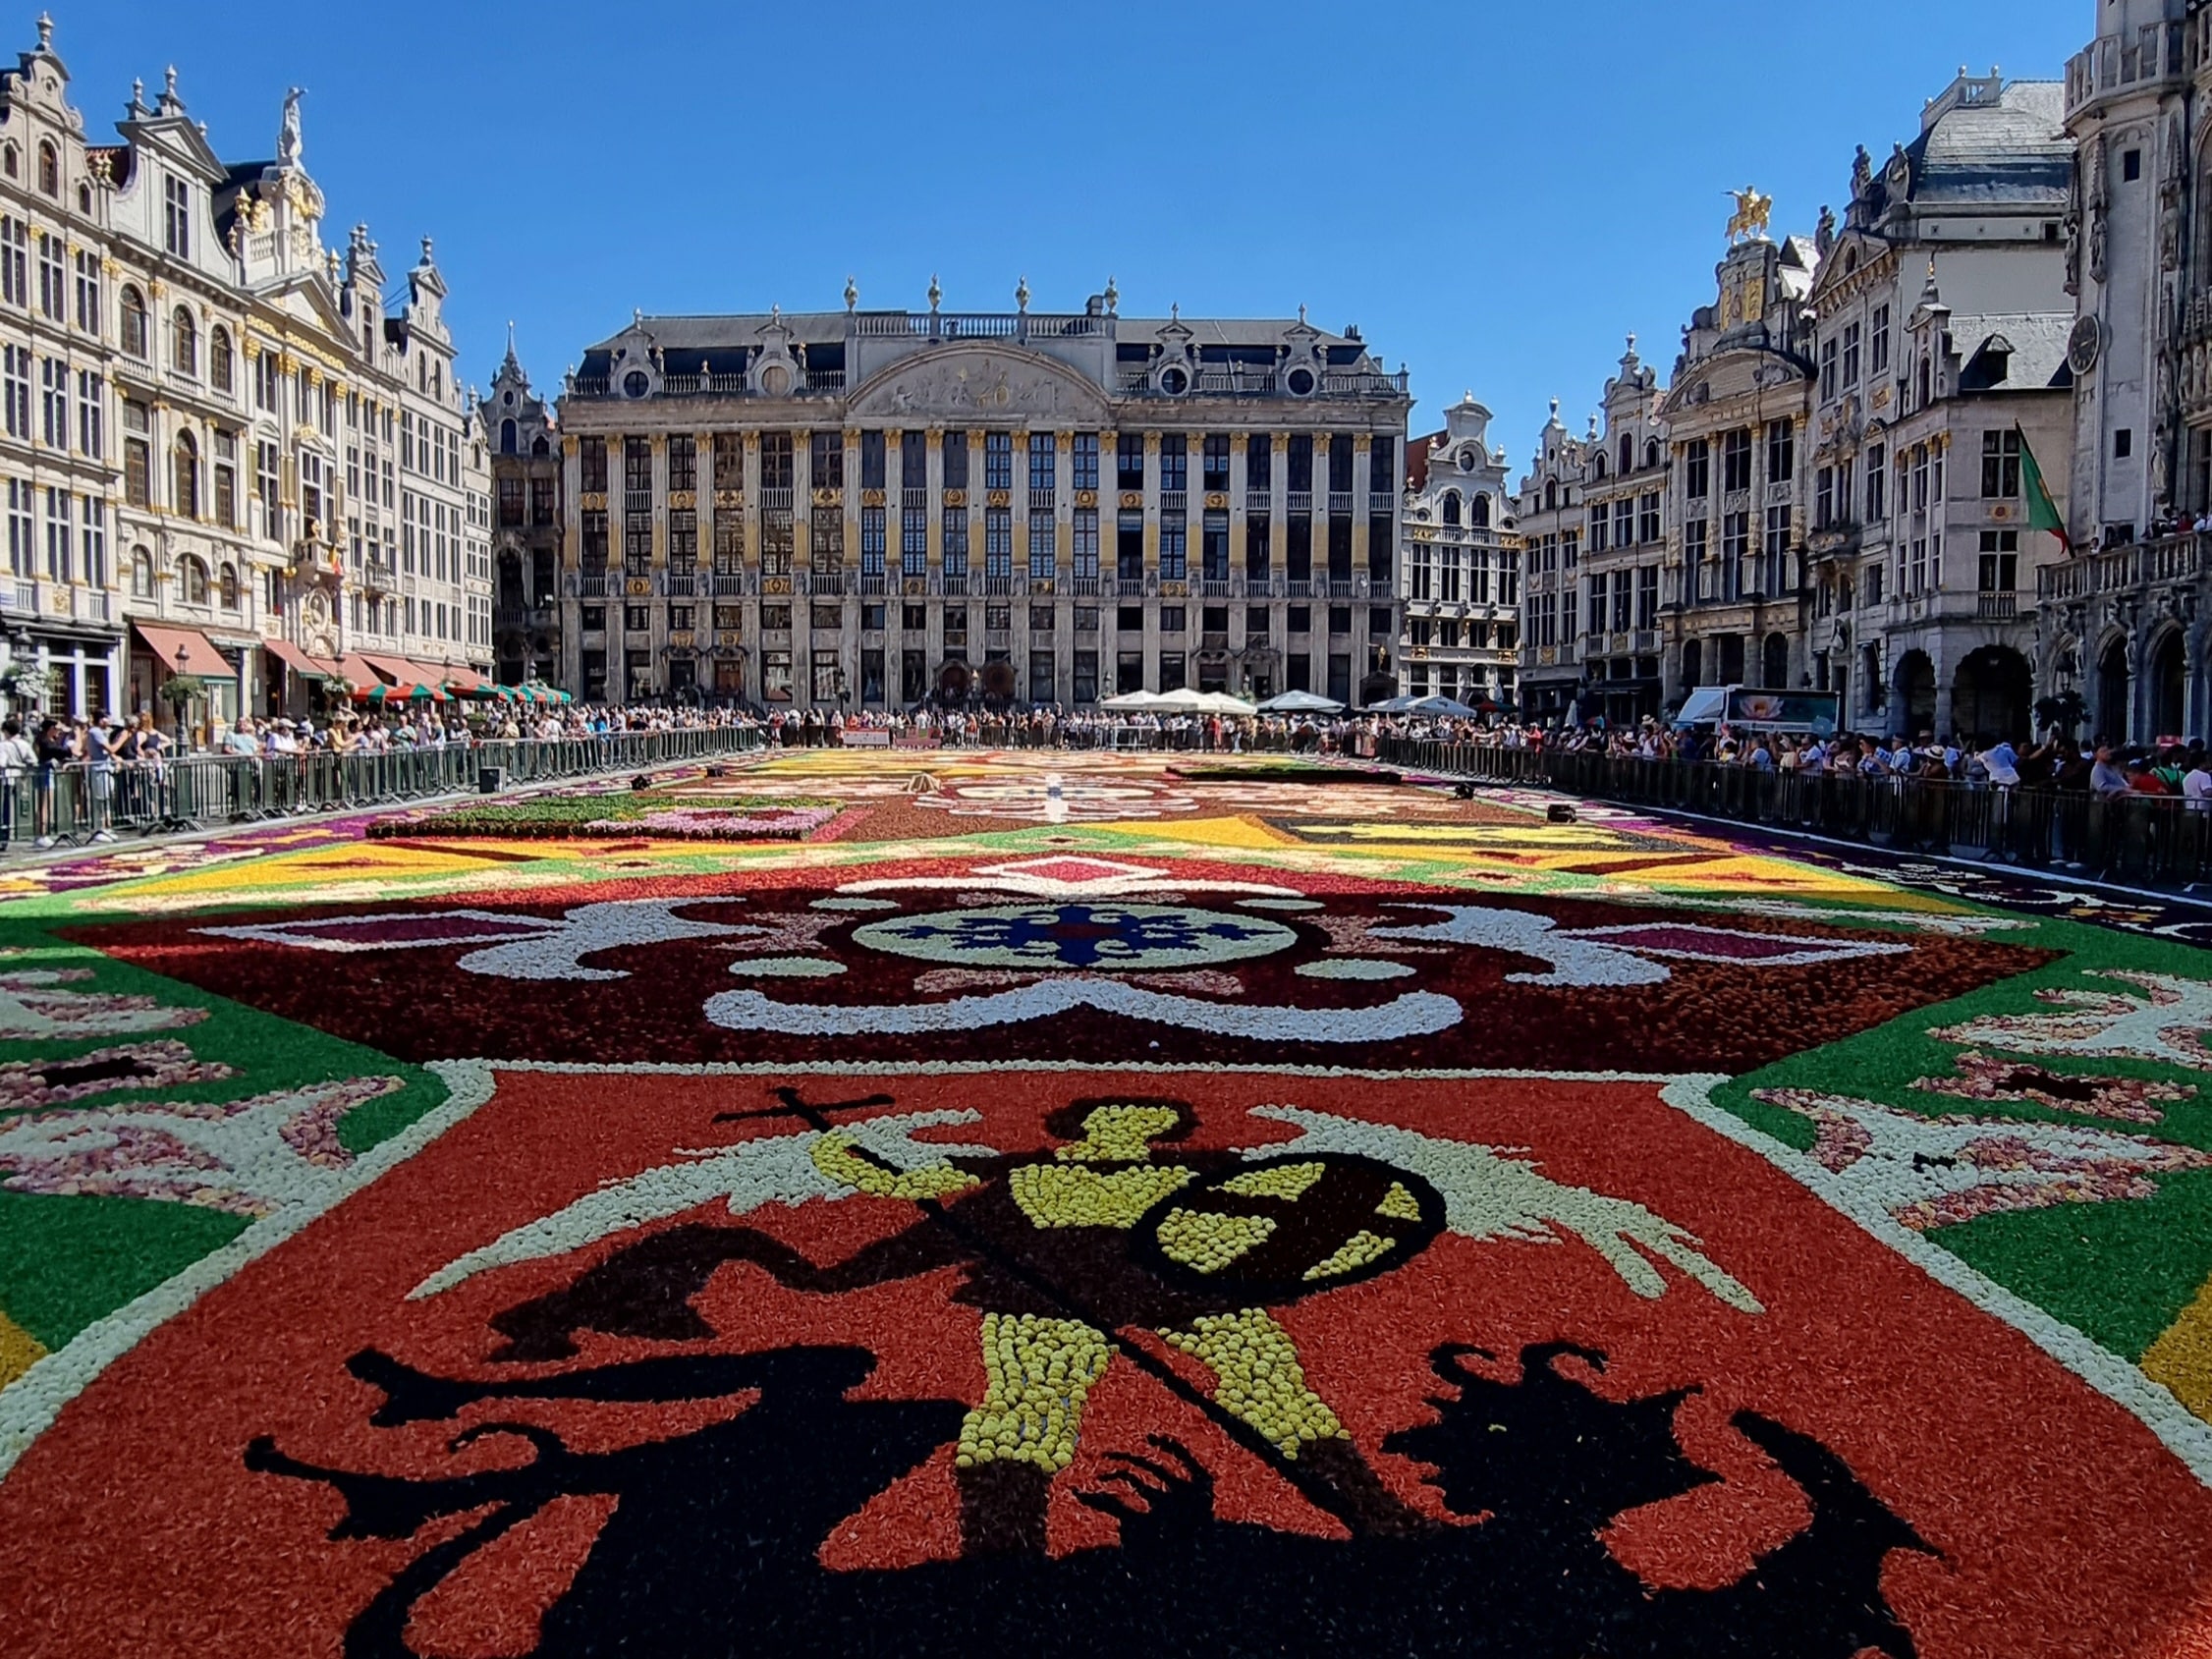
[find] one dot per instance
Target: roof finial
(169, 82)
(1022, 294)
(1113, 297)
(937, 292)
(427, 251)
(46, 33)
(851, 293)
(1175, 312)
(1301, 313)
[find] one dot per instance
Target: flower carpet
(1074, 1198)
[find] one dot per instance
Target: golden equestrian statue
(1752, 211)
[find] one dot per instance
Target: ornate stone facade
(213, 432)
(1463, 565)
(874, 508)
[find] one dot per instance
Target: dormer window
(10, 163)
(176, 217)
(49, 170)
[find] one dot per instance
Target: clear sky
(1497, 193)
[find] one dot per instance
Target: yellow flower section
(1207, 1243)
(1288, 1180)
(1260, 1378)
(1353, 1254)
(1056, 1195)
(1115, 1134)
(1400, 1204)
(835, 1157)
(1040, 1371)
(19, 1350)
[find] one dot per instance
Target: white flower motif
(2167, 1022)
(29, 1010)
(778, 1169)
(1490, 1193)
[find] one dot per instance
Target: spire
(513, 364)
(1931, 297)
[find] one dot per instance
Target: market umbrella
(1394, 706)
(1301, 702)
(1136, 701)
(1441, 709)
(1221, 702)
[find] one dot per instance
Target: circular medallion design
(1108, 936)
(1284, 1228)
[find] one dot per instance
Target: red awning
(392, 670)
(199, 654)
(292, 657)
(358, 670)
(461, 675)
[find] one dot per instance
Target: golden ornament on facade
(592, 501)
(729, 498)
(871, 498)
(639, 588)
(825, 496)
(1132, 499)
(1086, 498)
(999, 498)
(775, 584)
(955, 498)
(1218, 500)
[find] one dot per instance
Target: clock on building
(2083, 345)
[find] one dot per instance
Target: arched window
(1928, 384)
(85, 199)
(227, 586)
(192, 580)
(1651, 453)
(539, 448)
(49, 168)
(1551, 497)
(10, 163)
(1481, 518)
(1452, 507)
(134, 323)
(220, 369)
(185, 455)
(1628, 454)
(183, 342)
(1600, 465)
(507, 436)
(141, 574)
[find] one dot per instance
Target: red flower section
(1514, 1405)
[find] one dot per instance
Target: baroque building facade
(1941, 318)
(222, 456)
(874, 508)
(2127, 624)
(1593, 517)
(1732, 609)
(527, 519)
(1461, 561)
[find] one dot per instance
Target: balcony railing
(1043, 500)
(1298, 501)
(1175, 501)
(1340, 501)
(2170, 559)
(1995, 607)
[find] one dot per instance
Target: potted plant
(2063, 710)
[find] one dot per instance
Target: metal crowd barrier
(79, 802)
(2152, 841)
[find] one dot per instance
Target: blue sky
(1496, 193)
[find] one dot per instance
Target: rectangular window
(1697, 470)
(1215, 471)
(1736, 547)
(1174, 462)
(1781, 452)
(176, 216)
(268, 485)
(953, 461)
(61, 549)
(914, 460)
(637, 465)
(1647, 518)
(1623, 599)
(876, 468)
(1213, 547)
(775, 460)
(1594, 613)
(15, 389)
(95, 541)
(591, 455)
(1259, 463)
(1827, 372)
(1999, 465)
(1647, 598)
(1696, 576)
(1736, 460)
(683, 463)
(1597, 532)
(1878, 342)
(1044, 545)
(1877, 485)
(825, 539)
(53, 278)
(998, 461)
(729, 543)
(1044, 462)
(1823, 498)
(776, 541)
(22, 551)
(1084, 458)
(683, 537)
(914, 542)
(1775, 574)
(1851, 336)
(1129, 461)
(1174, 546)
(998, 539)
(14, 262)
(1084, 687)
(825, 460)
(1040, 677)
(1086, 548)
(53, 402)
(955, 540)
(1624, 521)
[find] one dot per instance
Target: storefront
(160, 654)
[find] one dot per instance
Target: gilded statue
(1752, 211)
